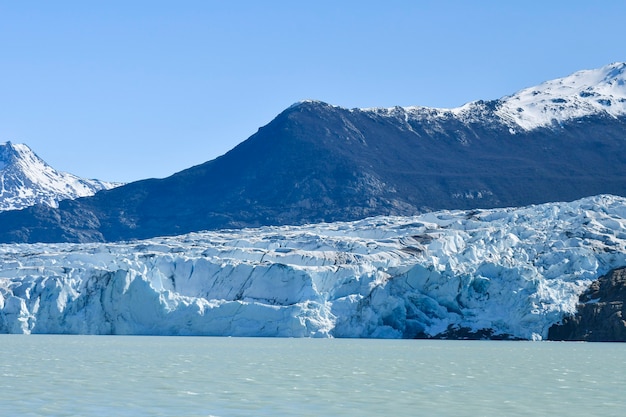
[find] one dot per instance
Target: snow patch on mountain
(515, 271)
(26, 180)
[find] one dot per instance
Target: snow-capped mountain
(585, 93)
(26, 180)
(495, 273)
(560, 141)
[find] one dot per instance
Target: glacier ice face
(515, 271)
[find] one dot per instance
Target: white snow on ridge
(26, 180)
(600, 91)
(584, 93)
(516, 271)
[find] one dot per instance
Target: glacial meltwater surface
(48, 375)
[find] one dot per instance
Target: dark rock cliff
(601, 314)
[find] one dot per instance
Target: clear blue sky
(125, 90)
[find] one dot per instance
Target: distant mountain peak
(9, 153)
(26, 180)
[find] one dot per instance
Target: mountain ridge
(600, 91)
(316, 162)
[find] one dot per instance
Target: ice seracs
(512, 272)
(26, 180)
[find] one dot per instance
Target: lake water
(203, 376)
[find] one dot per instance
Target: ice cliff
(512, 271)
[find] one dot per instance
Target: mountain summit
(560, 141)
(27, 180)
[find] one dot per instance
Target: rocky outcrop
(601, 314)
(455, 332)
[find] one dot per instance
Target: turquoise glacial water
(54, 375)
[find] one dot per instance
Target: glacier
(512, 271)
